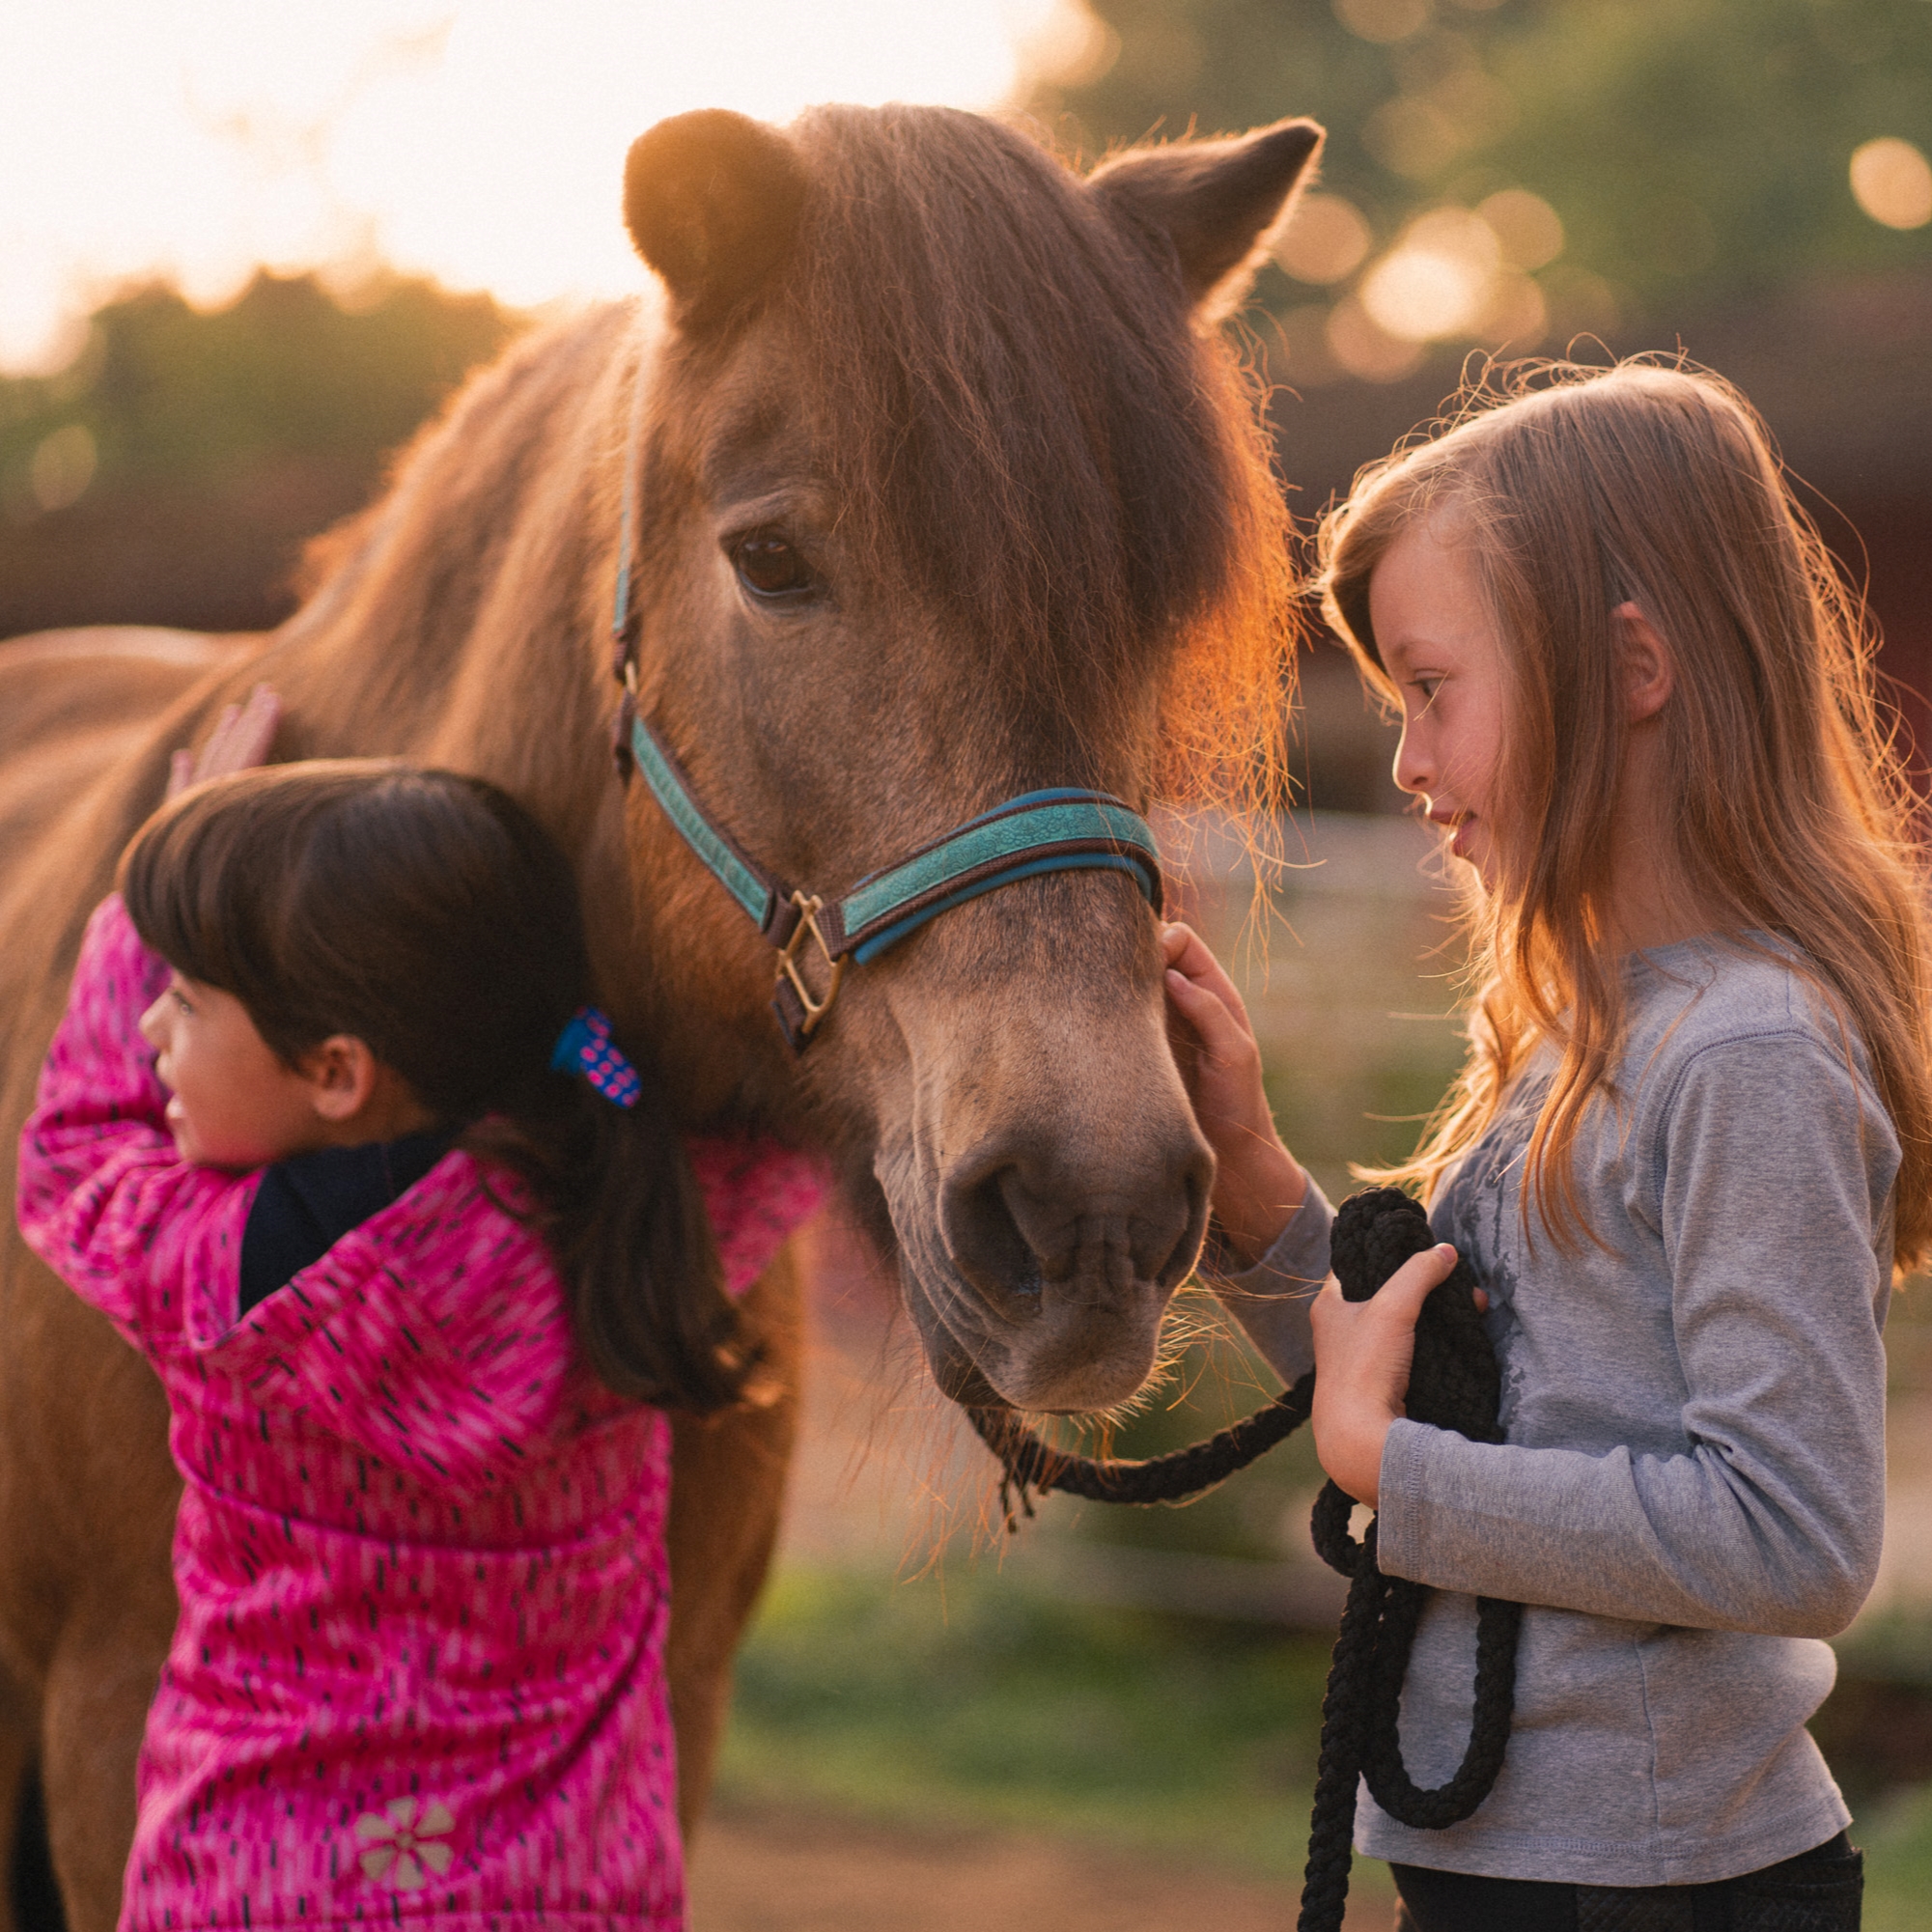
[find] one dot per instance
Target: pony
(942, 487)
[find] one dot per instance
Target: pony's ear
(1219, 202)
(711, 201)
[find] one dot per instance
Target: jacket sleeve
(103, 1197)
(1770, 1519)
(758, 1195)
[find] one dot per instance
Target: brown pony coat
(1050, 551)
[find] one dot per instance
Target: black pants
(1817, 1891)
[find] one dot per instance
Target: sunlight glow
(1325, 240)
(480, 141)
(1891, 181)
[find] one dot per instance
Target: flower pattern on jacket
(401, 1846)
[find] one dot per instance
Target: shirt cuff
(1401, 1508)
(1271, 1300)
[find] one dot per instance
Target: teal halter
(1057, 829)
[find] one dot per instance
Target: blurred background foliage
(1746, 178)
(1680, 151)
(172, 471)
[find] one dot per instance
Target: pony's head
(948, 492)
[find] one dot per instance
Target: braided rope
(1029, 1462)
(1454, 1384)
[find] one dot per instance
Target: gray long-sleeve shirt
(1691, 1492)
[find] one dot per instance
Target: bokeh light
(1362, 346)
(1435, 281)
(479, 141)
(1526, 226)
(1891, 181)
(1383, 22)
(1326, 240)
(62, 467)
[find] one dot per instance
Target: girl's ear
(1649, 676)
(342, 1075)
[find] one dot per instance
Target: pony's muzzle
(1040, 1234)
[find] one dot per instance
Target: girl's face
(1440, 648)
(235, 1105)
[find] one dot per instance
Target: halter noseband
(1058, 830)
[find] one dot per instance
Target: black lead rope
(1454, 1384)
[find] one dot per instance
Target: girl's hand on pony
(1364, 1352)
(240, 741)
(1258, 1183)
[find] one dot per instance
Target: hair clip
(585, 1047)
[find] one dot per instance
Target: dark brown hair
(430, 916)
(1576, 489)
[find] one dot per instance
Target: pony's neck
(456, 622)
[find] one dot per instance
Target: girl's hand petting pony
(1364, 1350)
(1258, 1183)
(240, 741)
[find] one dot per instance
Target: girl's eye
(1425, 689)
(769, 566)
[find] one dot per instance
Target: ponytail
(626, 1219)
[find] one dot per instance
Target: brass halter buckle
(809, 906)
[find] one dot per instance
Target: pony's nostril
(985, 1237)
(1187, 1247)
(1180, 1261)
(1021, 1220)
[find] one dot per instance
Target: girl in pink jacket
(420, 1264)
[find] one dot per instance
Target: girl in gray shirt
(1690, 1147)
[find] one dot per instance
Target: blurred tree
(170, 473)
(1690, 148)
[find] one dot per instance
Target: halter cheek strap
(1057, 829)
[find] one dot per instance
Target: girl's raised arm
(104, 1200)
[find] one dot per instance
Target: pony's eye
(769, 566)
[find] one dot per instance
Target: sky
(480, 141)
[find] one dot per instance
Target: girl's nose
(151, 1024)
(1413, 772)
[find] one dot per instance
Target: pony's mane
(1028, 433)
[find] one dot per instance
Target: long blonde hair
(1574, 490)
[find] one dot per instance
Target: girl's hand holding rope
(1364, 1352)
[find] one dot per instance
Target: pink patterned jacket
(418, 1678)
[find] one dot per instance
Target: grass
(962, 1701)
(1898, 1863)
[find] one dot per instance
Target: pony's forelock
(1026, 429)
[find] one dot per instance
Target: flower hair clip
(585, 1047)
